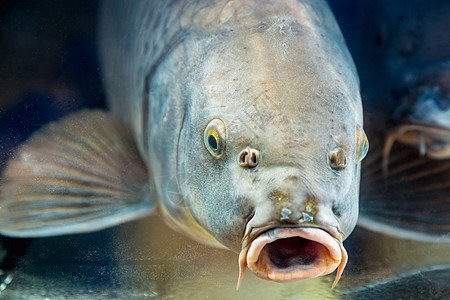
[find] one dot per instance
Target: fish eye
(214, 138)
(362, 144)
(212, 141)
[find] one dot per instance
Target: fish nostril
(253, 158)
(243, 157)
(249, 158)
(337, 159)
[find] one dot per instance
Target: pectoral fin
(80, 174)
(411, 200)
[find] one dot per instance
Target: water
(147, 260)
(49, 68)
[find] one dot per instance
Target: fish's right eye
(362, 144)
(214, 138)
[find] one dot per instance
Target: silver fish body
(279, 76)
(248, 120)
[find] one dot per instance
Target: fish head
(271, 149)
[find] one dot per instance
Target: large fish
(240, 121)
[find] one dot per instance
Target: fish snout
(304, 211)
(299, 239)
(291, 201)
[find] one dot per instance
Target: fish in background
(241, 122)
(405, 74)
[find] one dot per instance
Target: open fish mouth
(291, 254)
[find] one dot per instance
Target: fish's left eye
(362, 144)
(214, 138)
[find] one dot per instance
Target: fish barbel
(241, 121)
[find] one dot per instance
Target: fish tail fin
(81, 174)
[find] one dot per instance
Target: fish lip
(325, 253)
(253, 233)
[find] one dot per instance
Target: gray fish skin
(280, 77)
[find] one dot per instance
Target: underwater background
(49, 68)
